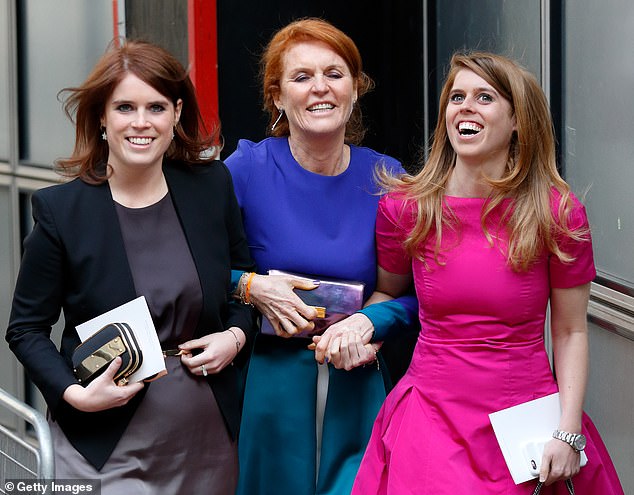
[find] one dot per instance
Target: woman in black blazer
(146, 214)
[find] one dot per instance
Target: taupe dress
(177, 442)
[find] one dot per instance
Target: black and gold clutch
(92, 357)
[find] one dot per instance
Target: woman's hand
(273, 296)
(346, 344)
(102, 393)
(559, 462)
(218, 350)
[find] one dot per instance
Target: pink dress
(481, 349)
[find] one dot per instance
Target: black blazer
(74, 260)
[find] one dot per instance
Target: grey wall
(610, 398)
(58, 42)
(599, 117)
(4, 82)
(599, 164)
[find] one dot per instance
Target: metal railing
(23, 456)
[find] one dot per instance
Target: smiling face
(480, 122)
(139, 122)
(317, 91)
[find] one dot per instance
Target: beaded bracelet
(376, 359)
(247, 297)
(243, 288)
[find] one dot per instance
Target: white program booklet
(523, 430)
(136, 314)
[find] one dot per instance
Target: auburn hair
(85, 105)
(272, 68)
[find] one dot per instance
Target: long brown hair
(529, 178)
(272, 67)
(85, 106)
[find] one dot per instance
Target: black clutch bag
(92, 357)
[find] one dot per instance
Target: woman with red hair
(147, 213)
(308, 200)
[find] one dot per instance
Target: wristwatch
(576, 440)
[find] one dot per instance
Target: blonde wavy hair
(530, 174)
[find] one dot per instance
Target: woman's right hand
(273, 296)
(559, 462)
(102, 393)
(346, 344)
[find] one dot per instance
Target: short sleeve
(581, 270)
(391, 228)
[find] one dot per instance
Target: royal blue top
(318, 225)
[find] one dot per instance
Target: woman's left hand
(219, 349)
(346, 344)
(559, 462)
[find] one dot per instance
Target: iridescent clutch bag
(334, 300)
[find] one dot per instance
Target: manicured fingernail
(316, 282)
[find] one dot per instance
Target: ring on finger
(203, 369)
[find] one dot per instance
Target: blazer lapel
(107, 234)
(190, 203)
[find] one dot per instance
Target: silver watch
(576, 440)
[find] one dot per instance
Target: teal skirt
(278, 436)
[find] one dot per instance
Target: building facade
(576, 47)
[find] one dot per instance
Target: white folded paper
(523, 430)
(136, 314)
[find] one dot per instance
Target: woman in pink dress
(490, 234)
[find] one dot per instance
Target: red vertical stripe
(203, 57)
(115, 21)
